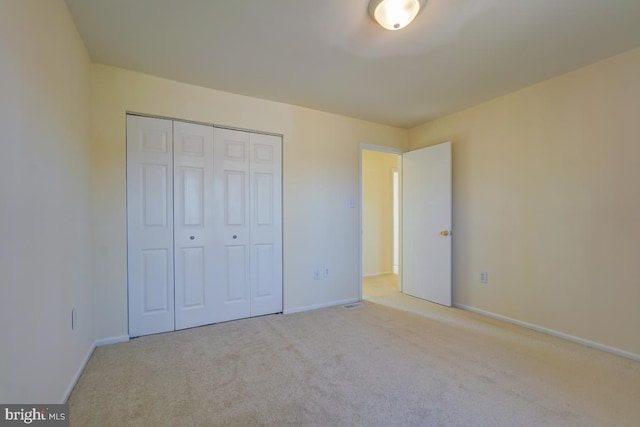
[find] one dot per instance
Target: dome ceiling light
(395, 14)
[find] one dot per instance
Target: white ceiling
(329, 55)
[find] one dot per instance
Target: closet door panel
(194, 225)
(266, 224)
(150, 225)
(232, 238)
(236, 260)
(265, 280)
(235, 189)
(193, 268)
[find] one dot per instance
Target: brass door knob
(444, 233)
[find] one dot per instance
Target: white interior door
(426, 223)
(232, 244)
(266, 224)
(193, 224)
(150, 225)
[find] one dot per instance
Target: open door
(426, 223)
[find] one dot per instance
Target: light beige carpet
(366, 366)
(379, 286)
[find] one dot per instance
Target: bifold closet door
(204, 225)
(150, 225)
(193, 224)
(231, 169)
(248, 224)
(266, 224)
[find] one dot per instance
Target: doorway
(423, 210)
(380, 219)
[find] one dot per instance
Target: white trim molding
(378, 274)
(381, 148)
(83, 364)
(552, 332)
(112, 340)
(318, 306)
(79, 371)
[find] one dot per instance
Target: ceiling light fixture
(395, 14)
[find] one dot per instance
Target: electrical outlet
(484, 277)
(325, 272)
(316, 274)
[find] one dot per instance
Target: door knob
(192, 237)
(235, 236)
(444, 233)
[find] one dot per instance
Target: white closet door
(150, 225)
(266, 224)
(232, 253)
(193, 224)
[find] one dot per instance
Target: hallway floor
(379, 286)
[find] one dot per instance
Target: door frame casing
(395, 175)
(387, 150)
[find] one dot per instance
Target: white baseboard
(112, 340)
(577, 340)
(83, 364)
(317, 306)
(377, 274)
(76, 377)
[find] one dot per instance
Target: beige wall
(44, 202)
(546, 201)
(320, 176)
(377, 212)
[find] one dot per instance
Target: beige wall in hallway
(546, 201)
(377, 212)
